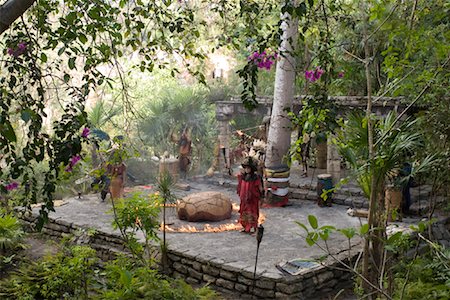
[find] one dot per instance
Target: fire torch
(259, 236)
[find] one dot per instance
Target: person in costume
(249, 190)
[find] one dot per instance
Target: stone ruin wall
(227, 279)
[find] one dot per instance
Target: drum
(276, 183)
(324, 183)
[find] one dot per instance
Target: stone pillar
(224, 114)
(224, 146)
(333, 160)
(321, 155)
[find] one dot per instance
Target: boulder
(204, 206)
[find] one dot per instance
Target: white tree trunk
(279, 136)
(11, 10)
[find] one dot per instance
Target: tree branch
(11, 10)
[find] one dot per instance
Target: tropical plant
(394, 147)
(68, 275)
(126, 280)
(11, 233)
(138, 213)
(406, 274)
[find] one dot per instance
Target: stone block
(265, 284)
(192, 280)
(244, 280)
(197, 266)
(209, 279)
(195, 274)
(322, 277)
(228, 275)
(240, 287)
(173, 257)
(225, 283)
(289, 289)
(327, 284)
(180, 267)
(263, 293)
(208, 269)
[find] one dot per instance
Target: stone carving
(204, 206)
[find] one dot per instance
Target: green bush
(128, 281)
(67, 275)
(428, 277)
(11, 233)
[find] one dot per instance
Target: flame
(206, 228)
(236, 226)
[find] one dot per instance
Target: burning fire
(206, 228)
(235, 226)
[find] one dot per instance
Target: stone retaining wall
(107, 245)
(238, 282)
(227, 279)
(230, 279)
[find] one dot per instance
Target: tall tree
(279, 135)
(11, 10)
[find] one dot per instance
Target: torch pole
(259, 236)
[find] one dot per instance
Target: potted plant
(394, 146)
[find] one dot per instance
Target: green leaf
(348, 232)
(82, 38)
(364, 229)
(71, 63)
(25, 115)
(312, 221)
(310, 241)
(43, 57)
(302, 226)
(324, 235)
(71, 17)
(8, 132)
(394, 238)
(66, 78)
(61, 50)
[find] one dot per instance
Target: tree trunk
(11, 10)
(279, 136)
(374, 245)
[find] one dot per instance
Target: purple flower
(86, 132)
(72, 163)
(341, 74)
(12, 186)
(314, 75)
(22, 46)
(262, 60)
(75, 159)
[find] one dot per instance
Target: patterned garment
(249, 191)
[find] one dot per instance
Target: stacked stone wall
(230, 279)
(239, 282)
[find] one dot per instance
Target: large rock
(204, 206)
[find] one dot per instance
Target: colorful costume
(249, 191)
(117, 175)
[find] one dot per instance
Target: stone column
(223, 115)
(333, 160)
(321, 155)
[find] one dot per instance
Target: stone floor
(283, 238)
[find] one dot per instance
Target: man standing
(184, 152)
